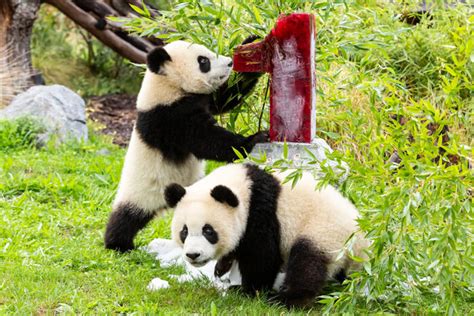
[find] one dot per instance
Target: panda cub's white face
(208, 220)
(207, 230)
(197, 234)
(194, 68)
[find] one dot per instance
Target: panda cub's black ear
(173, 194)
(156, 59)
(223, 194)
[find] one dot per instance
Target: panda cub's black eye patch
(204, 64)
(210, 234)
(183, 233)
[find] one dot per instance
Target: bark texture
(16, 23)
(17, 28)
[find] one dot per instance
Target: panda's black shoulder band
(223, 194)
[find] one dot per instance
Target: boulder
(60, 110)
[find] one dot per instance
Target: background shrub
(19, 133)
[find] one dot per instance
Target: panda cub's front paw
(250, 39)
(223, 266)
(260, 137)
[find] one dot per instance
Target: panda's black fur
(258, 252)
(180, 133)
(187, 127)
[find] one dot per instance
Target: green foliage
(161, 4)
(394, 89)
(67, 55)
(418, 215)
(221, 25)
(20, 133)
(421, 57)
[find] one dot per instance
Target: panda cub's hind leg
(306, 275)
(124, 223)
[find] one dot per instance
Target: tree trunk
(16, 24)
(18, 28)
(5, 18)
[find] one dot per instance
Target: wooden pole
(106, 36)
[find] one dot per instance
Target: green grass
(55, 203)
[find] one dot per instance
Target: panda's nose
(230, 64)
(192, 256)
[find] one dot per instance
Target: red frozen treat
(287, 53)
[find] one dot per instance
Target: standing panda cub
(245, 213)
(184, 85)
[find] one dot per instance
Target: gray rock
(60, 110)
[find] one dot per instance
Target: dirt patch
(117, 113)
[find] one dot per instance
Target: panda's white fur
(323, 216)
(145, 174)
(174, 132)
(198, 207)
(323, 219)
(182, 76)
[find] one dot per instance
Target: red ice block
(287, 53)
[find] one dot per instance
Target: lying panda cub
(184, 85)
(243, 212)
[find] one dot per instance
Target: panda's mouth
(199, 264)
(225, 76)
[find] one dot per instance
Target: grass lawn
(55, 204)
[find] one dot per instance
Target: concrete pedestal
(297, 152)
